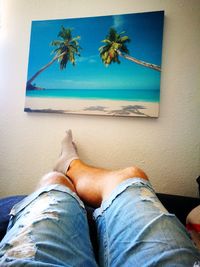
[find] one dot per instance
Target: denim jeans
(50, 228)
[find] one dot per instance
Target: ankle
(74, 163)
(73, 167)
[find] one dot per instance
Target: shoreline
(92, 107)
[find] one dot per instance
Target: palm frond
(125, 39)
(114, 42)
(68, 45)
(56, 42)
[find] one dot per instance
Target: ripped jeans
(49, 228)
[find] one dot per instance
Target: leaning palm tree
(115, 47)
(66, 50)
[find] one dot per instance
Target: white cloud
(90, 59)
(118, 22)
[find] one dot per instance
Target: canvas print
(106, 65)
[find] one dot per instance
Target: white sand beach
(92, 107)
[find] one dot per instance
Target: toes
(69, 134)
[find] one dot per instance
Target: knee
(56, 178)
(137, 172)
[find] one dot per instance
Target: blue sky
(144, 29)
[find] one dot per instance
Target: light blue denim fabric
(48, 228)
(134, 229)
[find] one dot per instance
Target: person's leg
(92, 184)
(134, 228)
(48, 228)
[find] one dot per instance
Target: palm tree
(65, 51)
(115, 46)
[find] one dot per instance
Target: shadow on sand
(128, 110)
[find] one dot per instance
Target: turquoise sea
(120, 94)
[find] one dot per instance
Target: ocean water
(128, 95)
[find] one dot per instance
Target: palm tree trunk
(44, 68)
(140, 62)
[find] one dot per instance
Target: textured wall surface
(167, 148)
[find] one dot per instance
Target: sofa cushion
(6, 205)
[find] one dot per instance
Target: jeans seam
(105, 242)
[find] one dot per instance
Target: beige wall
(168, 148)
